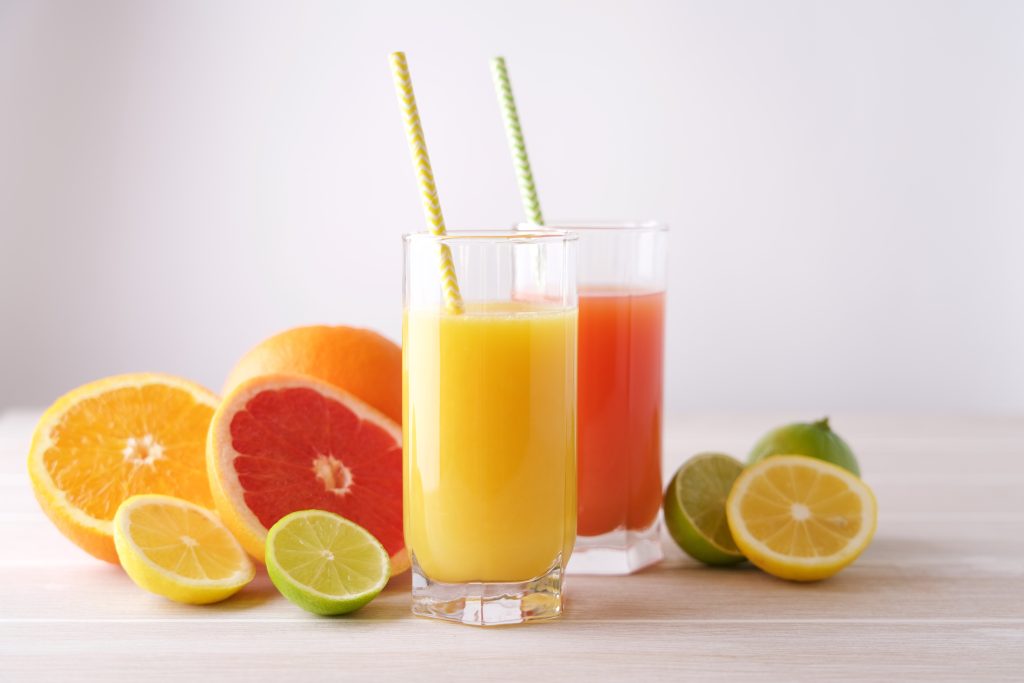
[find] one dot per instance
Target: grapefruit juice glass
(621, 352)
(489, 415)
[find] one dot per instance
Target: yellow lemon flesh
(179, 550)
(800, 518)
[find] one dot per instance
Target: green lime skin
(813, 439)
(695, 508)
(317, 604)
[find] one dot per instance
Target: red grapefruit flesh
(281, 443)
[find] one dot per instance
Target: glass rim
(534, 235)
(586, 225)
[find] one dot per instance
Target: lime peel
(811, 439)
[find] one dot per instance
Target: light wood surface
(939, 595)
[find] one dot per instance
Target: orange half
(114, 438)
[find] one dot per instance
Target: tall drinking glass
(489, 415)
(621, 351)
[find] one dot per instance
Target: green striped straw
(516, 144)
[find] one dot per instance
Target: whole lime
(813, 439)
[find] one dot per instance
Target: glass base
(489, 604)
(622, 551)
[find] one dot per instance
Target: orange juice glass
(622, 282)
(489, 425)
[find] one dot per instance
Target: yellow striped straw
(424, 176)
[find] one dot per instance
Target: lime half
(324, 563)
(695, 508)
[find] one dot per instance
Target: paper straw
(424, 176)
(516, 144)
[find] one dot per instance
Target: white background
(844, 180)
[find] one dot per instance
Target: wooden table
(938, 596)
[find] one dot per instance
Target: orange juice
(621, 352)
(490, 440)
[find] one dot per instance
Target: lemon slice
(800, 518)
(179, 550)
(324, 563)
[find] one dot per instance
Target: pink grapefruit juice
(621, 352)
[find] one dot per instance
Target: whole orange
(362, 362)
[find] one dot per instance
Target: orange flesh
(147, 439)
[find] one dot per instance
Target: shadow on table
(257, 593)
(392, 603)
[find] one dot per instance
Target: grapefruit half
(283, 443)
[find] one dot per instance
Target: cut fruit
(324, 563)
(179, 550)
(695, 508)
(113, 438)
(801, 518)
(279, 444)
